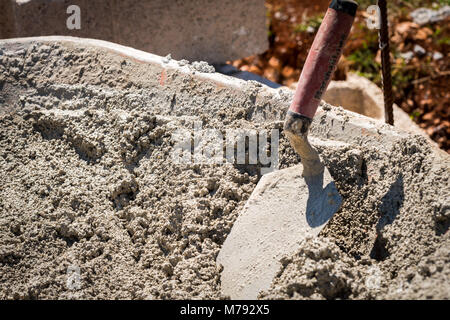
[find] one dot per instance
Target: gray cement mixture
(390, 239)
(87, 182)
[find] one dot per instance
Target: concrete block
(43, 17)
(360, 95)
(213, 31)
(7, 25)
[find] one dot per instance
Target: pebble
(437, 55)
(203, 66)
(310, 29)
(407, 55)
(167, 58)
(183, 62)
(420, 51)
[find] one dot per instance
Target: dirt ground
(87, 182)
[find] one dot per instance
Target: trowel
(289, 205)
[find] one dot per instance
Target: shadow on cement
(322, 203)
(232, 71)
(390, 206)
(391, 203)
(441, 226)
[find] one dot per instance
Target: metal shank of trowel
(323, 57)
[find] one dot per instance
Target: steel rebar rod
(386, 63)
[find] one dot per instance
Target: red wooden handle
(323, 57)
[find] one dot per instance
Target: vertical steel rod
(385, 63)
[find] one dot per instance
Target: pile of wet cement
(87, 182)
(390, 238)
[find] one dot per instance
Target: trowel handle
(323, 57)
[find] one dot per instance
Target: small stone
(420, 51)
(183, 62)
(255, 69)
(275, 62)
(407, 55)
(287, 72)
(310, 29)
(211, 184)
(421, 34)
(203, 192)
(167, 268)
(167, 58)
(437, 55)
(203, 66)
(421, 16)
